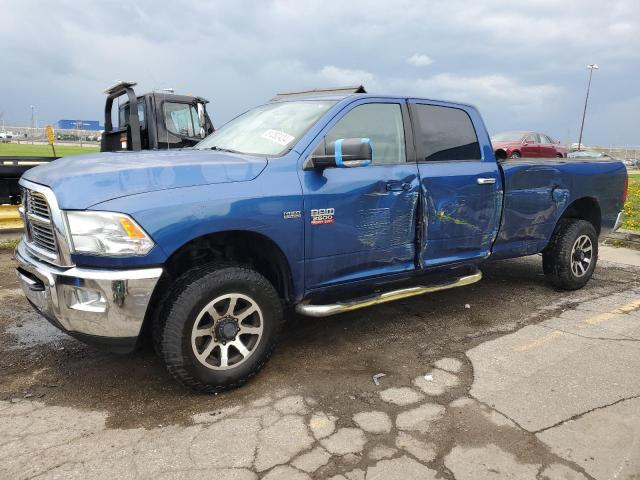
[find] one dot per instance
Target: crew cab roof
(321, 92)
(346, 96)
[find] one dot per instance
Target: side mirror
(343, 153)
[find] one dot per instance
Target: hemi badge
(292, 214)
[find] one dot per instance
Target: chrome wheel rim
(581, 255)
(227, 331)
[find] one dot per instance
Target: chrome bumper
(619, 221)
(99, 304)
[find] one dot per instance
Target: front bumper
(104, 307)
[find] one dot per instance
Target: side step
(341, 307)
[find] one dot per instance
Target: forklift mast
(153, 121)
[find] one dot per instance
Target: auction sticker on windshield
(277, 136)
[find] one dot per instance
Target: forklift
(157, 120)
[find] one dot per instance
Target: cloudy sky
(523, 63)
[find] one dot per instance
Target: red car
(526, 144)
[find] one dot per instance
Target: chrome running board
(341, 307)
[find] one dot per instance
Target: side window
(533, 138)
(123, 115)
(141, 112)
(179, 118)
(382, 123)
(446, 133)
(196, 123)
(545, 139)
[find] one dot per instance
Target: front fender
(175, 217)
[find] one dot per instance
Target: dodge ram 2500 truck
(322, 204)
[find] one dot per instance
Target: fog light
(85, 299)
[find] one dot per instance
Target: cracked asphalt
(507, 378)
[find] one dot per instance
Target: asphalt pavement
(507, 378)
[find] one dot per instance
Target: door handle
(486, 180)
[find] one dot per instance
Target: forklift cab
(153, 121)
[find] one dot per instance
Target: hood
(84, 180)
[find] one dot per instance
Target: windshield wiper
(220, 149)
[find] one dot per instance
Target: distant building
(79, 125)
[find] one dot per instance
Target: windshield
(267, 130)
(507, 137)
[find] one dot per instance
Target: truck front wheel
(572, 254)
(219, 327)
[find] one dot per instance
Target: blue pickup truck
(318, 203)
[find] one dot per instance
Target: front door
(360, 222)
(460, 184)
(531, 146)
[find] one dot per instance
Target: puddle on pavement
(31, 330)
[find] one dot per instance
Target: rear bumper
(101, 307)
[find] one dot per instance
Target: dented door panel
(460, 184)
(460, 217)
(371, 230)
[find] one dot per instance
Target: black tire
(194, 291)
(515, 155)
(561, 263)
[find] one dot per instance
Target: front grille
(38, 205)
(40, 232)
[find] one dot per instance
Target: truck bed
(538, 190)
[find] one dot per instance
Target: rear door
(360, 222)
(460, 184)
(547, 148)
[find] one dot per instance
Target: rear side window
(445, 133)
(123, 116)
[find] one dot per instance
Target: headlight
(106, 233)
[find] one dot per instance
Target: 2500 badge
(322, 216)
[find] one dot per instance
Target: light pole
(78, 126)
(591, 67)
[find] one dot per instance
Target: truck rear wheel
(219, 327)
(572, 254)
